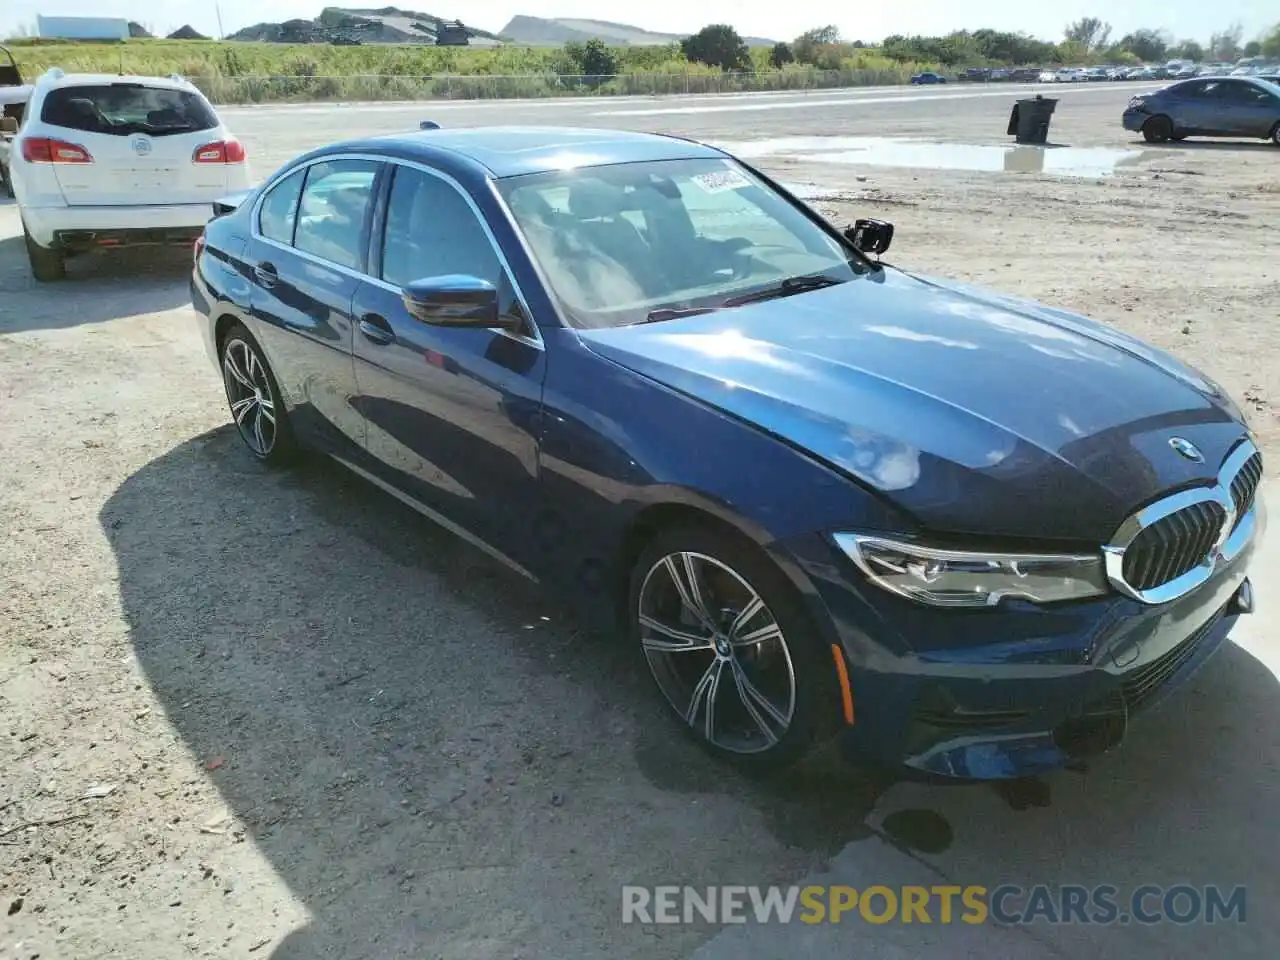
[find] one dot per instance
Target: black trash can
(1029, 121)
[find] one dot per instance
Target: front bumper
(1015, 691)
(1133, 120)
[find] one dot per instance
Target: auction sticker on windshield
(721, 180)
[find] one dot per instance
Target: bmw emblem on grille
(1187, 449)
(141, 145)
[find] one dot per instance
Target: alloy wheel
(249, 394)
(717, 652)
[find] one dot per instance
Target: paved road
(1087, 114)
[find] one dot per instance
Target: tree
(1253, 48)
(1226, 45)
(781, 55)
(1271, 42)
(718, 46)
(1147, 45)
(1187, 50)
(598, 60)
(1089, 31)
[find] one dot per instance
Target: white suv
(103, 162)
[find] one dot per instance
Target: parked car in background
(965, 532)
(1095, 74)
(1025, 74)
(1001, 74)
(976, 74)
(1207, 107)
(928, 77)
(1047, 76)
(110, 161)
(1070, 75)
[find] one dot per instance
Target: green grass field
(235, 72)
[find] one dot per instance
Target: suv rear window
(123, 109)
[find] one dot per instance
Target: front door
(451, 415)
(1247, 110)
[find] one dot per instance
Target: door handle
(266, 273)
(376, 329)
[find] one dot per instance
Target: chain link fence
(297, 89)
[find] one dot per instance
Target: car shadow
(433, 757)
(1211, 145)
(400, 721)
(97, 289)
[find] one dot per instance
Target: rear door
(305, 260)
(451, 414)
(148, 144)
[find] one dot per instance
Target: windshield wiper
(674, 313)
(789, 286)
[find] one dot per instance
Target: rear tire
(1275, 134)
(6, 182)
(47, 265)
(254, 399)
(1157, 130)
(756, 687)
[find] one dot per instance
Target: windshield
(123, 109)
(620, 244)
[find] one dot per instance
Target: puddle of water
(886, 152)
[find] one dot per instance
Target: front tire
(254, 399)
(729, 645)
(1157, 130)
(1275, 134)
(47, 264)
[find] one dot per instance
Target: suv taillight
(48, 150)
(220, 151)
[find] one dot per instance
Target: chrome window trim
(533, 341)
(1230, 541)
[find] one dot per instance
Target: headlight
(959, 578)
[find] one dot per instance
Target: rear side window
(333, 209)
(123, 109)
(279, 209)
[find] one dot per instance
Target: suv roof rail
(177, 78)
(428, 125)
(55, 73)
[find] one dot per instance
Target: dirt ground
(254, 714)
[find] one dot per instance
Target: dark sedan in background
(823, 496)
(1207, 107)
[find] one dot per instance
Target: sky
(1185, 19)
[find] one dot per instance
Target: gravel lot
(278, 715)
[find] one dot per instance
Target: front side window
(431, 231)
(125, 108)
(617, 243)
(279, 208)
(333, 209)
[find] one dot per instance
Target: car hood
(975, 412)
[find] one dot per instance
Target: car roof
(511, 151)
(55, 78)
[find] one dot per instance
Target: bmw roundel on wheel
(827, 497)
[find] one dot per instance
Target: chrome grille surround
(1242, 471)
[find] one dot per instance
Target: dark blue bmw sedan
(967, 533)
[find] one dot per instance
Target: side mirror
(870, 236)
(454, 301)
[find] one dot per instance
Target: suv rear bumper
(124, 224)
